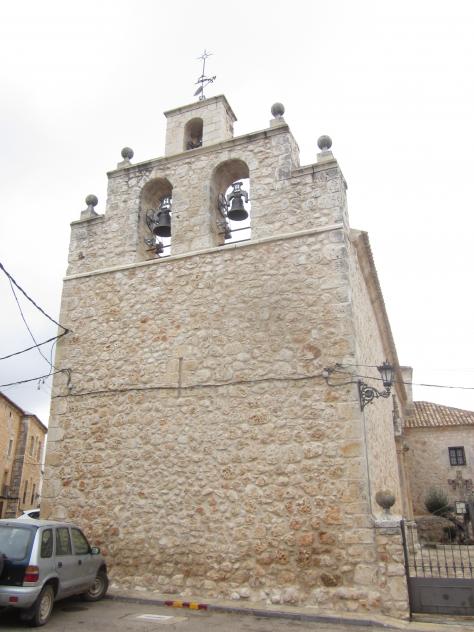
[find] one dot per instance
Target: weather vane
(203, 80)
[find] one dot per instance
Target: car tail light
(31, 574)
(13, 599)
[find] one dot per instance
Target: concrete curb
(269, 613)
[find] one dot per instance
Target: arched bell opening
(156, 211)
(193, 134)
(230, 196)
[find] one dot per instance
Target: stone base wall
(201, 446)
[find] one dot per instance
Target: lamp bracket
(367, 394)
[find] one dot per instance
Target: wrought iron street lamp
(367, 393)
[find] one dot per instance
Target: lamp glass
(386, 372)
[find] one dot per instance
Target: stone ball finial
(324, 143)
(278, 109)
(385, 499)
(92, 200)
(127, 153)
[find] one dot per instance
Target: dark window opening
(457, 456)
(193, 134)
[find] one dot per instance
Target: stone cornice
(89, 220)
(243, 244)
(226, 144)
(199, 105)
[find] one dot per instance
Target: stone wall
(428, 462)
(31, 470)
(372, 348)
(10, 424)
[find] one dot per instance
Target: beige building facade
(439, 442)
(22, 443)
(211, 436)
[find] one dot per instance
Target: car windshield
(14, 541)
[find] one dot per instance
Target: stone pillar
(391, 562)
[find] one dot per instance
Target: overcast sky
(390, 82)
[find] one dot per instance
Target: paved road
(74, 615)
(114, 616)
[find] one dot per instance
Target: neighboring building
(440, 453)
(22, 441)
(200, 437)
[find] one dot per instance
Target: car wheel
(41, 610)
(98, 588)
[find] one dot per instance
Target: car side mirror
(95, 550)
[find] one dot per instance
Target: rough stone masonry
(200, 442)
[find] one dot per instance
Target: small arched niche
(156, 197)
(193, 134)
(224, 177)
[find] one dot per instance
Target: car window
(14, 542)
(34, 514)
(47, 543)
(81, 545)
(63, 541)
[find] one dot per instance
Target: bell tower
(200, 434)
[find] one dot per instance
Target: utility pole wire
(12, 280)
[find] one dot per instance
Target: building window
(457, 456)
(33, 493)
(25, 490)
(5, 484)
(32, 445)
(10, 447)
(40, 445)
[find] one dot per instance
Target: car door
(86, 566)
(66, 564)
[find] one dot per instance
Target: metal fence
(440, 575)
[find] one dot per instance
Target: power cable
(37, 346)
(40, 377)
(2, 267)
(178, 387)
(55, 338)
(370, 377)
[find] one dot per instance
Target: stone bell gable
(202, 438)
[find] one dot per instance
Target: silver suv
(42, 561)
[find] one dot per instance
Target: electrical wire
(37, 346)
(12, 280)
(178, 387)
(370, 377)
(40, 377)
(55, 338)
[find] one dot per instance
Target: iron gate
(440, 576)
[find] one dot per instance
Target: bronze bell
(163, 224)
(237, 212)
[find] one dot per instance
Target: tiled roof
(428, 415)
